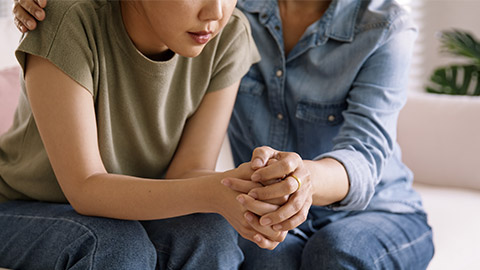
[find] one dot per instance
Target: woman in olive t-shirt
(117, 95)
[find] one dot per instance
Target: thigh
(371, 240)
(196, 241)
(285, 256)
(37, 235)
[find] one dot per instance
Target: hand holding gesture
(282, 201)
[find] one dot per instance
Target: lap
(39, 235)
(371, 240)
(360, 240)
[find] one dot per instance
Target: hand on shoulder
(27, 13)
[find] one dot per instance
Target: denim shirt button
(279, 73)
(280, 116)
(331, 118)
(264, 16)
(277, 28)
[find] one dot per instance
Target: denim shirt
(337, 94)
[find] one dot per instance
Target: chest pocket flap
(322, 114)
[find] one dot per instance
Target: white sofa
(440, 139)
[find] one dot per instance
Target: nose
(212, 10)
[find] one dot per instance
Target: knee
(211, 230)
(332, 249)
(112, 244)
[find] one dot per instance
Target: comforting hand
(246, 223)
(27, 12)
(296, 184)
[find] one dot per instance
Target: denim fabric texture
(38, 235)
(359, 240)
(338, 94)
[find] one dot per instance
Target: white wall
(9, 35)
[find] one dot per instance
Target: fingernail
(256, 177)
(240, 199)
(38, 14)
(277, 227)
(257, 238)
(253, 195)
(29, 24)
(226, 182)
(257, 163)
(265, 221)
(249, 217)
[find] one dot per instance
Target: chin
(191, 53)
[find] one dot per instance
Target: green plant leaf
(461, 43)
(445, 80)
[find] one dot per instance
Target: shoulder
(59, 10)
(386, 14)
(237, 24)
(236, 35)
(65, 13)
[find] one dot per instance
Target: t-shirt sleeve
(235, 54)
(63, 39)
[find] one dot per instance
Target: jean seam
(62, 219)
(404, 246)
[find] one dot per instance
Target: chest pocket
(321, 114)
(317, 125)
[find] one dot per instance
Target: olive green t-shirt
(141, 105)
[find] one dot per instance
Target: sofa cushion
(440, 139)
(451, 213)
(9, 94)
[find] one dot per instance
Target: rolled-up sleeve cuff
(362, 186)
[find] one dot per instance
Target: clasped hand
(275, 202)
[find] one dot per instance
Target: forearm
(126, 197)
(329, 181)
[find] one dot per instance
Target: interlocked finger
(255, 206)
(266, 231)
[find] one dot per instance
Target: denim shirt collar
(339, 19)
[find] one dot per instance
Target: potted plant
(458, 79)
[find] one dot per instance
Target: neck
(138, 30)
(296, 16)
(305, 6)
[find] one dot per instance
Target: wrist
(214, 193)
(329, 180)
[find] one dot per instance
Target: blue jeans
(348, 240)
(38, 235)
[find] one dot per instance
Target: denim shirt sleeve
(368, 134)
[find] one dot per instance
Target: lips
(201, 37)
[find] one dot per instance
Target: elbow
(81, 194)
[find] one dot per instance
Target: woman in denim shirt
(326, 97)
(325, 100)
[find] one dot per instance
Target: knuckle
(302, 216)
(284, 199)
(288, 224)
(291, 186)
(15, 8)
(284, 165)
(297, 205)
(282, 216)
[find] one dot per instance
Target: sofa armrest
(440, 139)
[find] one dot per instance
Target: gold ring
(298, 181)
